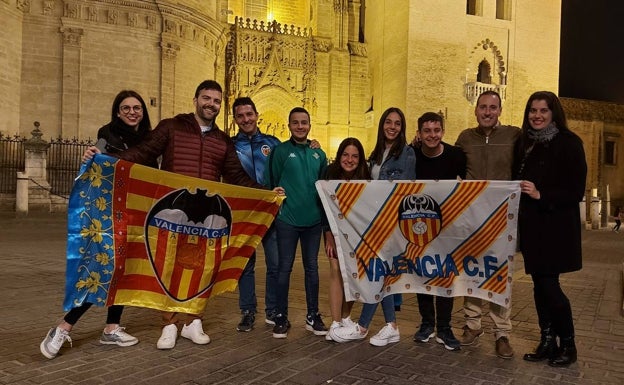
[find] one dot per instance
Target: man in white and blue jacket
(253, 149)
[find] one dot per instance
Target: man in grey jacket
(489, 153)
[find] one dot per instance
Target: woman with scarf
(129, 124)
(550, 162)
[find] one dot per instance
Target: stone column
(169, 54)
(35, 169)
(70, 98)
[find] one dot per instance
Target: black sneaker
(446, 337)
(247, 322)
(425, 333)
(280, 330)
(269, 319)
(314, 323)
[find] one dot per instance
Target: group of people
(543, 154)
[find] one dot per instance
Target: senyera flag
(145, 237)
(446, 238)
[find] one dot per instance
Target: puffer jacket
(185, 150)
(488, 157)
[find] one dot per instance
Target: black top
(450, 164)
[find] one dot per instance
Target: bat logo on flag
(186, 237)
(420, 218)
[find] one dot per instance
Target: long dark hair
(554, 104)
(397, 147)
(116, 122)
(335, 171)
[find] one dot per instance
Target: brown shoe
(503, 348)
(469, 336)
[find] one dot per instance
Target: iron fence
(63, 163)
(64, 158)
(11, 161)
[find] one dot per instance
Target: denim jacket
(401, 168)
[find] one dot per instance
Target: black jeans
(552, 305)
(439, 315)
(113, 316)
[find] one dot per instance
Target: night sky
(592, 50)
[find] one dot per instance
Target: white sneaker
(348, 322)
(333, 325)
(386, 335)
(118, 337)
(168, 337)
(195, 332)
(53, 341)
(347, 333)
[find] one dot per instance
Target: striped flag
(446, 238)
(144, 237)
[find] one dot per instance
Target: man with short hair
(253, 149)
(489, 153)
(436, 160)
(296, 166)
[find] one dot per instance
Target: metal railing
(11, 161)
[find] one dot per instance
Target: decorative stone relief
(133, 19)
(72, 36)
(113, 16)
(72, 10)
(170, 26)
(151, 22)
(322, 45)
(48, 7)
(93, 14)
(357, 49)
(170, 51)
(23, 5)
(340, 6)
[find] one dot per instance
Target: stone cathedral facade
(346, 61)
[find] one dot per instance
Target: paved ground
(32, 279)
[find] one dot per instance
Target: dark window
(610, 152)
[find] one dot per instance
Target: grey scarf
(543, 135)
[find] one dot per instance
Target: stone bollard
(21, 195)
(35, 165)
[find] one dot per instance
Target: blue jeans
(310, 238)
(247, 282)
(368, 311)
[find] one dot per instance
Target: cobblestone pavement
(32, 284)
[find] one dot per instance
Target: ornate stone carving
(23, 5)
(590, 110)
(72, 36)
(322, 45)
(72, 10)
(357, 49)
(340, 6)
(170, 26)
(151, 22)
(133, 19)
(93, 14)
(48, 7)
(113, 16)
(169, 51)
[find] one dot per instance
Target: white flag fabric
(445, 238)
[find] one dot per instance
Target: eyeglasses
(126, 109)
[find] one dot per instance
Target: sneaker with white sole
(387, 335)
(195, 332)
(314, 323)
(168, 337)
(348, 322)
(118, 337)
(53, 341)
(334, 324)
(347, 333)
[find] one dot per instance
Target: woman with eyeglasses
(129, 124)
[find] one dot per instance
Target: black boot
(547, 347)
(566, 355)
